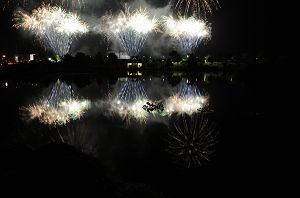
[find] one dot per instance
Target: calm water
(143, 151)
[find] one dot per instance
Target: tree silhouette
(175, 56)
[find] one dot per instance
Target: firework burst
(179, 105)
(128, 102)
(130, 28)
(129, 111)
(189, 32)
(200, 7)
(191, 140)
(45, 113)
(59, 108)
(49, 115)
(53, 26)
(189, 100)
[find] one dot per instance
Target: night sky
(253, 26)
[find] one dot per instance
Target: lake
(155, 132)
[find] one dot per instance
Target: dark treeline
(83, 63)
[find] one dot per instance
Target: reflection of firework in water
(132, 91)
(179, 105)
(25, 3)
(132, 102)
(59, 108)
(131, 29)
(60, 91)
(189, 90)
(189, 100)
(192, 140)
(128, 104)
(74, 108)
(129, 111)
(53, 26)
(189, 32)
(79, 136)
(68, 3)
(47, 114)
(198, 6)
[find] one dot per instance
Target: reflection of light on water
(52, 115)
(132, 90)
(74, 107)
(132, 102)
(133, 107)
(138, 73)
(128, 102)
(202, 100)
(60, 107)
(187, 100)
(184, 105)
(127, 110)
(192, 139)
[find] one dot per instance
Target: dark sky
(254, 26)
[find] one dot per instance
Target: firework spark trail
(187, 101)
(14, 3)
(79, 136)
(190, 90)
(50, 115)
(69, 3)
(60, 92)
(192, 140)
(130, 28)
(176, 104)
(128, 102)
(131, 42)
(189, 44)
(45, 114)
(25, 3)
(59, 107)
(53, 26)
(129, 111)
(75, 108)
(132, 91)
(189, 32)
(200, 7)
